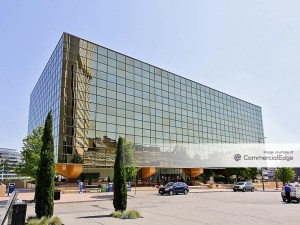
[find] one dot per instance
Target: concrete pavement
(200, 206)
(27, 195)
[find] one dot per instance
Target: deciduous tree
(130, 166)
(242, 173)
(30, 155)
(285, 174)
(77, 159)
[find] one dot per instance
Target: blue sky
(248, 49)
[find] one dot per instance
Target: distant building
(8, 159)
(297, 177)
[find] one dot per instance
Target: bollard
(56, 194)
(80, 187)
(129, 186)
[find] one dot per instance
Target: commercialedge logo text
(272, 157)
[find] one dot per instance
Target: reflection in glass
(99, 95)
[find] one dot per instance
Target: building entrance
(165, 175)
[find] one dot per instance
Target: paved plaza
(213, 207)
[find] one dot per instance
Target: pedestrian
(287, 190)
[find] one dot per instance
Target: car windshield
(240, 183)
(169, 184)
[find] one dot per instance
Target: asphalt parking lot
(224, 208)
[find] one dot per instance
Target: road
(213, 208)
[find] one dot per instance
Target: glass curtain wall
(46, 95)
(107, 94)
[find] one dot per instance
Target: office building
(97, 94)
(8, 159)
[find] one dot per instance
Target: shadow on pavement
(91, 217)
(104, 197)
(28, 201)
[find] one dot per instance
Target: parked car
(174, 188)
(243, 186)
(295, 192)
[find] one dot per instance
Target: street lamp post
(275, 179)
(261, 169)
(2, 170)
(262, 179)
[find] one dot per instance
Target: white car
(295, 193)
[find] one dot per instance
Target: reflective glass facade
(98, 94)
(46, 94)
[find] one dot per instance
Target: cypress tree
(44, 190)
(120, 189)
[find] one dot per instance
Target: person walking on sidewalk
(287, 190)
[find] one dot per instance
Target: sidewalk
(74, 196)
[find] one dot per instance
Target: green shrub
(44, 221)
(129, 214)
(117, 214)
(33, 222)
(55, 220)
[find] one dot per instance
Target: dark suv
(174, 188)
